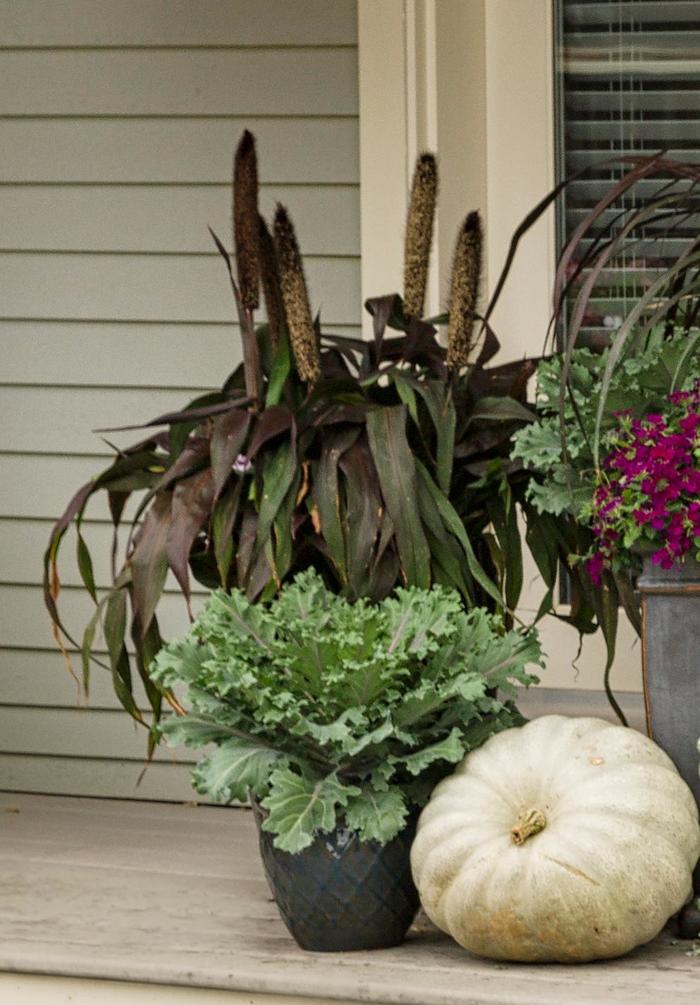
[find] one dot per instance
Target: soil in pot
(340, 893)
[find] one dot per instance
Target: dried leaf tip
(245, 220)
(419, 233)
(270, 278)
(464, 292)
(295, 297)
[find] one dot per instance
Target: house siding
(117, 125)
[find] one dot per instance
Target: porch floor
(169, 894)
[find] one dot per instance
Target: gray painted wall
(117, 124)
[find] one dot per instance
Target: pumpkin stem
(528, 823)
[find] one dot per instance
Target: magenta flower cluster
(649, 493)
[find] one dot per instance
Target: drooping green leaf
(455, 526)
(115, 623)
(504, 519)
(326, 497)
(223, 520)
(280, 558)
(88, 643)
(396, 468)
(147, 646)
(85, 567)
(280, 469)
(280, 371)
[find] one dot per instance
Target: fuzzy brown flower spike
(464, 291)
(295, 297)
(419, 234)
(270, 277)
(245, 220)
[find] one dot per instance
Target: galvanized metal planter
(340, 893)
(671, 665)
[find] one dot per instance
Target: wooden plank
(94, 777)
(23, 543)
(185, 356)
(40, 678)
(154, 287)
(41, 487)
(103, 218)
(170, 22)
(80, 732)
(193, 151)
(211, 945)
(24, 621)
(63, 419)
(179, 82)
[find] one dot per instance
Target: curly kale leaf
(236, 768)
(377, 815)
(298, 807)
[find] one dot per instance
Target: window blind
(628, 82)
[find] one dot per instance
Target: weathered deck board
(174, 895)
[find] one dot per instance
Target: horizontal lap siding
(117, 125)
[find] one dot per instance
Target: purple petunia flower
(652, 485)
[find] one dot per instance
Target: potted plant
(602, 448)
(338, 718)
(647, 506)
(376, 463)
(565, 475)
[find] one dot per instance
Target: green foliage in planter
(377, 463)
(566, 476)
(327, 710)
(654, 197)
(639, 385)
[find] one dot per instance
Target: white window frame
(472, 79)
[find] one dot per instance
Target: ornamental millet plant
(376, 463)
(648, 498)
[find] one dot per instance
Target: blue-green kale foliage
(332, 713)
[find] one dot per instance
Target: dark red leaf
(149, 562)
(192, 503)
(228, 435)
(362, 513)
(187, 415)
(273, 421)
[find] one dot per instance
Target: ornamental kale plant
(648, 499)
(330, 712)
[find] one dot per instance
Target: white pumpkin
(561, 840)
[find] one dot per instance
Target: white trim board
(32, 989)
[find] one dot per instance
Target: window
(627, 82)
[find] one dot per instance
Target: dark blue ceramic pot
(340, 893)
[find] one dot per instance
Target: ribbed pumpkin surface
(562, 840)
